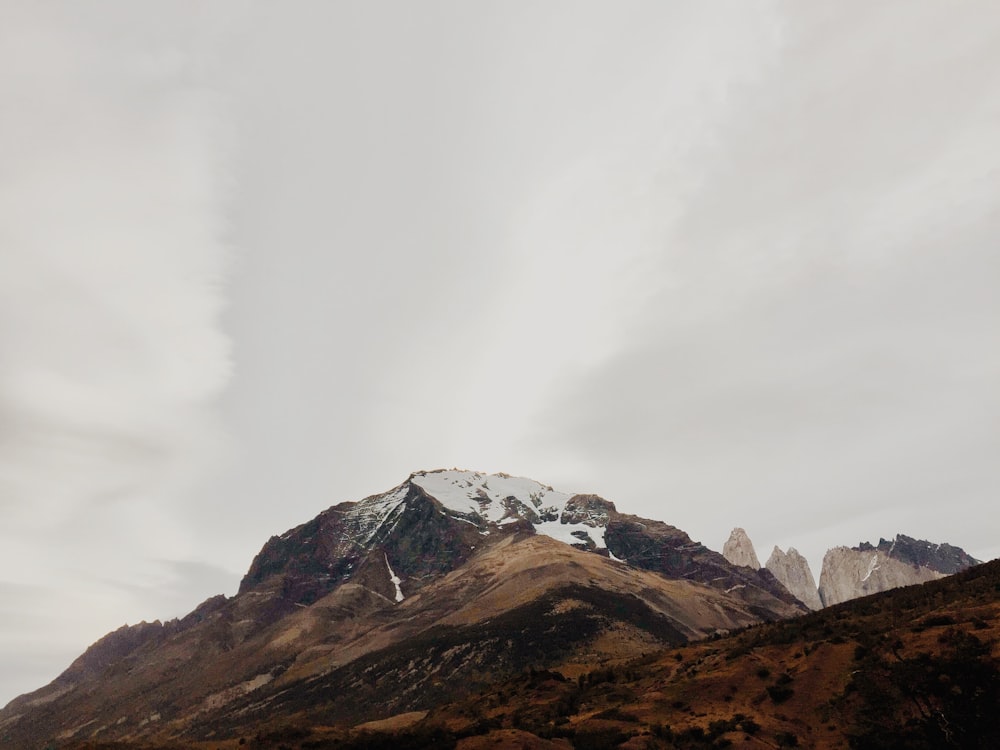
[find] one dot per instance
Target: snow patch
(473, 494)
(396, 580)
(369, 516)
(470, 492)
(564, 532)
(872, 567)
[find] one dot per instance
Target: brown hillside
(915, 667)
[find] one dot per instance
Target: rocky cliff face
(943, 558)
(739, 550)
(851, 572)
(792, 570)
(438, 586)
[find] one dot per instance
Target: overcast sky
(722, 263)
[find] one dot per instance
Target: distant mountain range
(426, 594)
(852, 572)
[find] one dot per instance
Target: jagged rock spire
(739, 550)
(792, 570)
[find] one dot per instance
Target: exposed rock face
(792, 570)
(943, 558)
(589, 510)
(656, 546)
(851, 572)
(390, 604)
(739, 550)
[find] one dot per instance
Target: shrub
(935, 621)
(780, 693)
(616, 714)
(598, 739)
(663, 731)
(786, 739)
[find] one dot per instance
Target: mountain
(429, 592)
(792, 570)
(739, 550)
(914, 667)
(851, 572)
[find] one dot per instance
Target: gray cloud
(110, 303)
(823, 348)
(724, 266)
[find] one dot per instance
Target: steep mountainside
(424, 593)
(851, 572)
(792, 570)
(739, 550)
(916, 667)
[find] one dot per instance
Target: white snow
(474, 497)
(564, 533)
(561, 531)
(471, 493)
(872, 567)
(368, 516)
(396, 580)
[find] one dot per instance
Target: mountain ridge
(852, 572)
(917, 666)
(441, 586)
(346, 602)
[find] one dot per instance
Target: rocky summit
(739, 550)
(392, 604)
(851, 572)
(792, 569)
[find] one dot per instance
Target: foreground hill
(915, 667)
(398, 603)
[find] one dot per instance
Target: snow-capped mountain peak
(500, 499)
